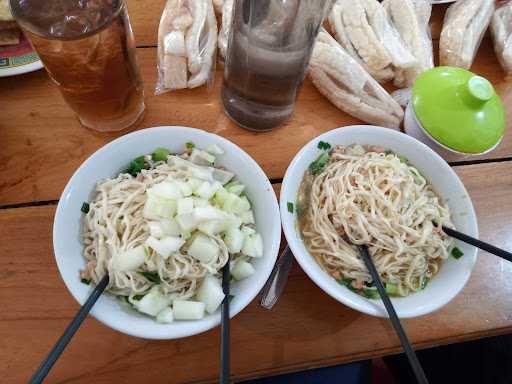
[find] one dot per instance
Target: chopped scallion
(457, 253)
(160, 154)
(190, 145)
(290, 207)
(318, 166)
(154, 277)
(85, 207)
(323, 145)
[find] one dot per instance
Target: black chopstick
(478, 243)
(413, 359)
(56, 351)
(224, 328)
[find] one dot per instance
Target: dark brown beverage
(88, 49)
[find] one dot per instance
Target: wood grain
(306, 329)
(43, 143)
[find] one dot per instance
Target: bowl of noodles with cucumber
(373, 186)
(162, 211)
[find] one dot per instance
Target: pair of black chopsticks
(61, 344)
(411, 356)
(64, 340)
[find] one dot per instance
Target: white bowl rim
(210, 321)
(368, 306)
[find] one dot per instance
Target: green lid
(459, 109)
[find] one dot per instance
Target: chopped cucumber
(253, 245)
(185, 205)
(167, 190)
(214, 149)
(165, 316)
(242, 270)
(247, 231)
(209, 213)
(200, 157)
(156, 207)
(235, 187)
(247, 217)
(152, 303)
(166, 246)
(203, 249)
(222, 176)
(392, 289)
(212, 228)
(206, 190)
(187, 222)
(210, 293)
(234, 240)
(188, 310)
(129, 260)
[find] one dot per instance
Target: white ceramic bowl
(108, 162)
(453, 274)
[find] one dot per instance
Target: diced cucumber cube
(185, 206)
(253, 245)
(129, 260)
(242, 270)
(166, 246)
(165, 316)
(210, 293)
(234, 240)
(203, 249)
(214, 149)
(152, 303)
(188, 310)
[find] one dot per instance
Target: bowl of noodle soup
(375, 186)
(73, 236)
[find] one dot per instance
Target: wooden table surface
(42, 144)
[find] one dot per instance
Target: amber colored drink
(88, 49)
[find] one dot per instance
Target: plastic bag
(501, 28)
(464, 26)
(411, 19)
(363, 29)
(187, 45)
(227, 17)
(347, 85)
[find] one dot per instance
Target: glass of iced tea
(88, 49)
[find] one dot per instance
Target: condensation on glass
(269, 48)
(88, 49)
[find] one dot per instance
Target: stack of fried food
(9, 32)
(366, 42)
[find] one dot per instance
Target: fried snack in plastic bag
(363, 29)
(464, 26)
(347, 85)
(187, 44)
(501, 28)
(227, 17)
(411, 19)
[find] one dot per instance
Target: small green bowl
(459, 110)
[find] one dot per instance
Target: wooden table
(42, 144)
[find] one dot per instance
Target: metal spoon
(277, 281)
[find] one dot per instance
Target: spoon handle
(277, 281)
(61, 344)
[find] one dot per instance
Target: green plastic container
(459, 110)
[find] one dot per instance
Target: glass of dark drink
(269, 48)
(88, 49)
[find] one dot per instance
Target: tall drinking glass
(269, 48)
(88, 49)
